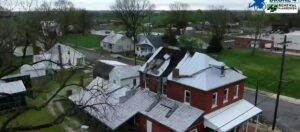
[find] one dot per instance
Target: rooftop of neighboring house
(162, 62)
(113, 38)
(155, 40)
(12, 87)
(104, 67)
(175, 115)
(127, 71)
(202, 72)
(64, 49)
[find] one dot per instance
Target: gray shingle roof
(155, 40)
(180, 120)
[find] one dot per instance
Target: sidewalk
(273, 95)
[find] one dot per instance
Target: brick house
(180, 91)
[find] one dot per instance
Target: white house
(117, 73)
(37, 70)
(148, 44)
(125, 76)
(19, 51)
(117, 43)
(69, 58)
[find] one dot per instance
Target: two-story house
(180, 91)
(148, 44)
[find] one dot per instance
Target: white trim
(236, 91)
(185, 92)
(227, 93)
(214, 104)
(194, 130)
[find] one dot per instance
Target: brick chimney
(175, 73)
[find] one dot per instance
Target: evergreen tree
(215, 45)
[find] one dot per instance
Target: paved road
(288, 118)
(288, 114)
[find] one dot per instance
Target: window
(214, 100)
(134, 82)
(194, 130)
(225, 99)
(187, 96)
(236, 91)
(114, 81)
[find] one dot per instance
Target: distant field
(265, 67)
(87, 41)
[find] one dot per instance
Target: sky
(164, 4)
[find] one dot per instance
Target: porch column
(247, 126)
(256, 122)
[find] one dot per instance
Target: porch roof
(230, 116)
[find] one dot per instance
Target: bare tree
(179, 15)
(9, 36)
(132, 13)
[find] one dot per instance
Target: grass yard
(265, 67)
(44, 115)
(87, 40)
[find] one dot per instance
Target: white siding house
(70, 58)
(19, 51)
(117, 43)
(34, 70)
(148, 44)
(125, 76)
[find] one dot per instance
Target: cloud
(164, 4)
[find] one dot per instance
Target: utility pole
(280, 81)
(256, 93)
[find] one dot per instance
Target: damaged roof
(162, 62)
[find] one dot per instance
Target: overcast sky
(164, 4)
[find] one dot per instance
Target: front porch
(233, 118)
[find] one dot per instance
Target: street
(288, 113)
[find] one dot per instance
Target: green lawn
(87, 40)
(265, 67)
(43, 116)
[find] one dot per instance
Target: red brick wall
(240, 42)
(198, 98)
(202, 99)
(156, 127)
(151, 82)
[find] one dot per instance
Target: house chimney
(175, 73)
(222, 71)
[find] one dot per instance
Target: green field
(87, 40)
(265, 67)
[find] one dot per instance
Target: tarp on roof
(230, 116)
